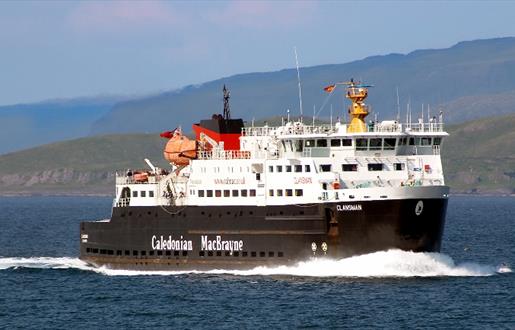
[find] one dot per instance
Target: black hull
(271, 235)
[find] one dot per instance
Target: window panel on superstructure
(349, 167)
(389, 143)
(361, 144)
(346, 142)
(425, 141)
(321, 143)
(375, 144)
(375, 166)
(309, 143)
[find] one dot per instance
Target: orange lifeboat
(180, 150)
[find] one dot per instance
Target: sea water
(470, 284)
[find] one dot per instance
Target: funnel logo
(419, 207)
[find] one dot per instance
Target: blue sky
(69, 49)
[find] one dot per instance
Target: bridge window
(218, 193)
(134, 193)
(307, 168)
(235, 193)
(375, 144)
(244, 193)
(310, 143)
(271, 192)
(437, 141)
(252, 193)
(336, 142)
(361, 144)
(298, 168)
(322, 143)
(288, 168)
(389, 144)
(227, 193)
(279, 168)
(143, 193)
(289, 192)
(426, 141)
(298, 192)
(349, 167)
(325, 168)
(398, 166)
(201, 193)
(375, 167)
(279, 192)
(411, 141)
(270, 168)
(298, 145)
(346, 142)
(209, 193)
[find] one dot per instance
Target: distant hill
(470, 80)
(478, 157)
(26, 125)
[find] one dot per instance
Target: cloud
(262, 14)
(117, 16)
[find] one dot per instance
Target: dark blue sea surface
(44, 285)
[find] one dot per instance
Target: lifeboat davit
(180, 150)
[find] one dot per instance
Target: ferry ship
(238, 197)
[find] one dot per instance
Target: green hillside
(478, 157)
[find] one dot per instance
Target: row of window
(321, 143)
(227, 193)
(143, 253)
(389, 143)
(142, 193)
(287, 192)
(370, 166)
(375, 143)
(289, 168)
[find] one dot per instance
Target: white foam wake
(43, 262)
(393, 263)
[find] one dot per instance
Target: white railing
(125, 178)
(378, 127)
(294, 129)
(224, 154)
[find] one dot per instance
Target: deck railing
(380, 127)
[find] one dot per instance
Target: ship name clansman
(171, 244)
(349, 207)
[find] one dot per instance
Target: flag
(329, 88)
(168, 134)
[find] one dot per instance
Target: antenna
(331, 115)
(314, 109)
(298, 80)
(398, 106)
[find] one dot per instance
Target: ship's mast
(227, 109)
